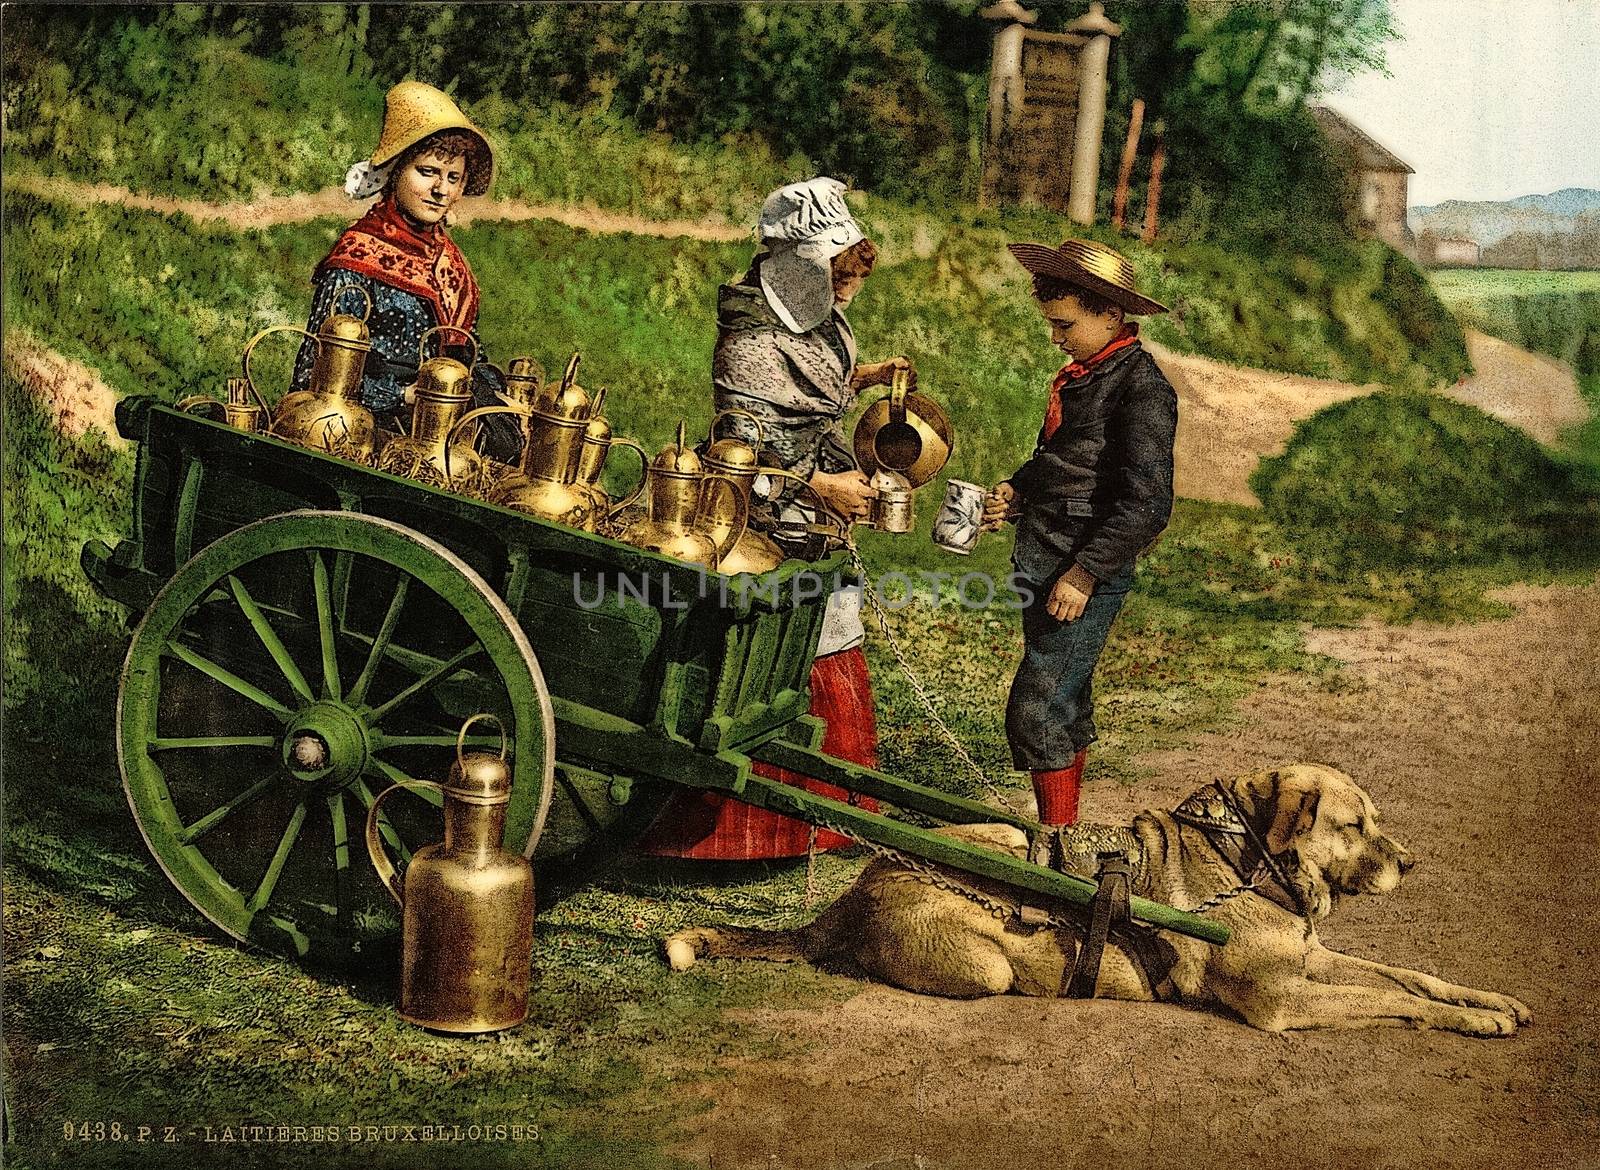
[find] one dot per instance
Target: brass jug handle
(841, 528)
(250, 347)
(644, 475)
(741, 508)
(761, 436)
(422, 342)
(188, 404)
(380, 859)
(365, 295)
(450, 436)
(461, 739)
(899, 385)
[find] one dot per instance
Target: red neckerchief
(382, 245)
(1072, 371)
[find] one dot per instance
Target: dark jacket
(1101, 488)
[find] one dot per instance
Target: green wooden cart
(287, 598)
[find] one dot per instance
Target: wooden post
(1093, 63)
(1130, 151)
(1152, 199)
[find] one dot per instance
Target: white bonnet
(804, 226)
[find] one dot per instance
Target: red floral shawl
(382, 245)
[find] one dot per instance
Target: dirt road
(1230, 416)
(1478, 744)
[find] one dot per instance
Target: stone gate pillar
(1093, 62)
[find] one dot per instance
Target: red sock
(1057, 792)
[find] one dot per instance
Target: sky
(1488, 99)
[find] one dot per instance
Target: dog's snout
(1404, 859)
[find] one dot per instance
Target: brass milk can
(467, 903)
(439, 398)
(596, 448)
(546, 486)
(736, 460)
(680, 509)
(237, 410)
(328, 416)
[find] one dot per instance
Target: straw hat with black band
(1089, 265)
(412, 111)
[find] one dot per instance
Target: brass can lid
(480, 778)
(598, 430)
(731, 455)
(343, 327)
(444, 377)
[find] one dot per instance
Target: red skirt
(713, 826)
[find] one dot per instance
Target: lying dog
(1315, 823)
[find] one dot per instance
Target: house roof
(1369, 154)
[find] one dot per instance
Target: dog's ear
(1293, 815)
(1259, 790)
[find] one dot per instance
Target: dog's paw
(679, 950)
(1515, 1008)
(1482, 1022)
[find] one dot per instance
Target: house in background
(1448, 251)
(1378, 180)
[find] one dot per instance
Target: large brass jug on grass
(467, 903)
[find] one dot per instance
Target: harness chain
(916, 685)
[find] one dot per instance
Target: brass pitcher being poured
(681, 511)
(328, 415)
(753, 551)
(901, 442)
(467, 903)
(439, 398)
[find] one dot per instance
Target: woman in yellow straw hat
(429, 155)
(1097, 490)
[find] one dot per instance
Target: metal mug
(956, 527)
(892, 509)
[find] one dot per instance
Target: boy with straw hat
(1096, 491)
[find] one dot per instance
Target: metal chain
(917, 688)
(1216, 900)
(929, 874)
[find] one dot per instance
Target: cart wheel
(281, 679)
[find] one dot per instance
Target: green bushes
(1415, 479)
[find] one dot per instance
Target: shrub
(1409, 478)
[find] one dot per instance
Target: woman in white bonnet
(786, 354)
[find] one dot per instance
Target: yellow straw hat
(413, 110)
(1091, 266)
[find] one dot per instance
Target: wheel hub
(326, 742)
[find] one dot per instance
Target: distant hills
(1558, 230)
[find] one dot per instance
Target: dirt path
(1478, 744)
(1230, 416)
(332, 201)
(74, 394)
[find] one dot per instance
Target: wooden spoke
(380, 644)
(192, 833)
(341, 859)
(438, 674)
(280, 858)
(269, 638)
(168, 743)
(228, 679)
(384, 827)
(330, 657)
(381, 742)
(395, 776)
